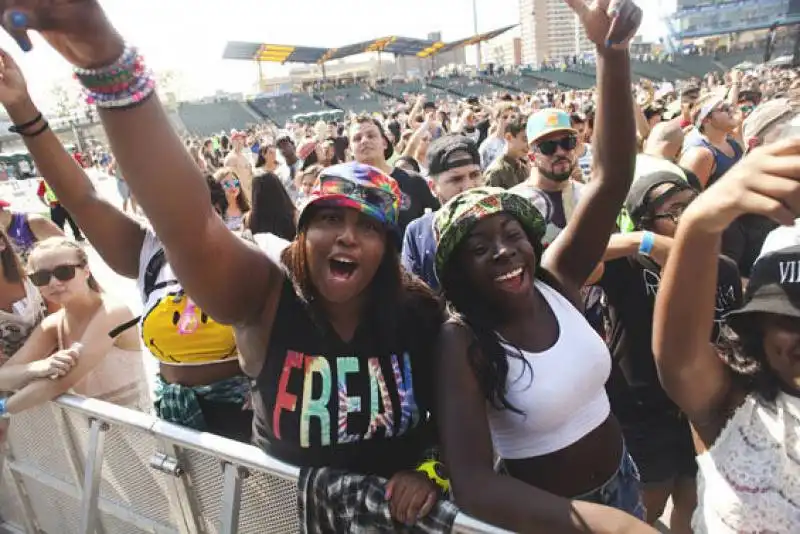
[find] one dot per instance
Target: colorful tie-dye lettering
(318, 377)
(286, 401)
(347, 405)
(316, 407)
(377, 417)
(409, 412)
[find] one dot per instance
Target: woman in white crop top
(521, 372)
(86, 347)
(742, 396)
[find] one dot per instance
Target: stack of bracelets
(123, 84)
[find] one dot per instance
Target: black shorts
(662, 447)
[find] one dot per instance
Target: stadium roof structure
(401, 46)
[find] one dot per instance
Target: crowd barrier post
(83, 466)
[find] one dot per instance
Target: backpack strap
(154, 266)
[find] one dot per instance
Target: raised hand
(77, 29)
(608, 23)
(13, 88)
(766, 182)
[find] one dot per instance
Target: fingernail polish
(608, 43)
(26, 46)
(19, 19)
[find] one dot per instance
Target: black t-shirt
(631, 285)
(416, 196)
(743, 239)
(319, 401)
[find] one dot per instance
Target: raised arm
(498, 499)
(766, 183)
(116, 237)
(580, 247)
(228, 278)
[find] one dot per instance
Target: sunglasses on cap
(62, 273)
(549, 147)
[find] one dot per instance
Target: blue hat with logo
(547, 121)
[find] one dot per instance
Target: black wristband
(17, 129)
(40, 131)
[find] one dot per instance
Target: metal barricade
(83, 466)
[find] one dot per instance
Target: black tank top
(319, 401)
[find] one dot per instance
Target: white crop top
(564, 398)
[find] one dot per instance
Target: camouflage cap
(455, 220)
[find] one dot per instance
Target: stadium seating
(207, 119)
(280, 109)
(357, 99)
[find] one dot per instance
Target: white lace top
(749, 480)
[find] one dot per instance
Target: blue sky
(188, 36)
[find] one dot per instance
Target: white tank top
(749, 480)
(564, 398)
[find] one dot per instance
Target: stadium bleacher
(209, 118)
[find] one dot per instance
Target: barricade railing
(83, 466)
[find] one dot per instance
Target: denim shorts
(621, 491)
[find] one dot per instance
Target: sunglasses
(549, 147)
(62, 273)
(230, 184)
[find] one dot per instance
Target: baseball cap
(774, 287)
(636, 204)
(455, 220)
(548, 121)
(765, 115)
(358, 186)
(450, 152)
(706, 108)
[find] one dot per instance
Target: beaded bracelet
(123, 84)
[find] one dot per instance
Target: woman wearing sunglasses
(337, 339)
(656, 433)
(200, 383)
(87, 347)
(521, 371)
(238, 206)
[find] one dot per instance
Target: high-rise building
(550, 30)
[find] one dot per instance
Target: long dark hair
(12, 266)
(241, 198)
(486, 354)
(273, 211)
(743, 352)
(401, 311)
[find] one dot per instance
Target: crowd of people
(577, 305)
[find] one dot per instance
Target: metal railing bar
(28, 515)
(231, 500)
(107, 507)
(92, 476)
(75, 460)
(180, 495)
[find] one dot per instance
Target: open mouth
(342, 268)
(512, 280)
